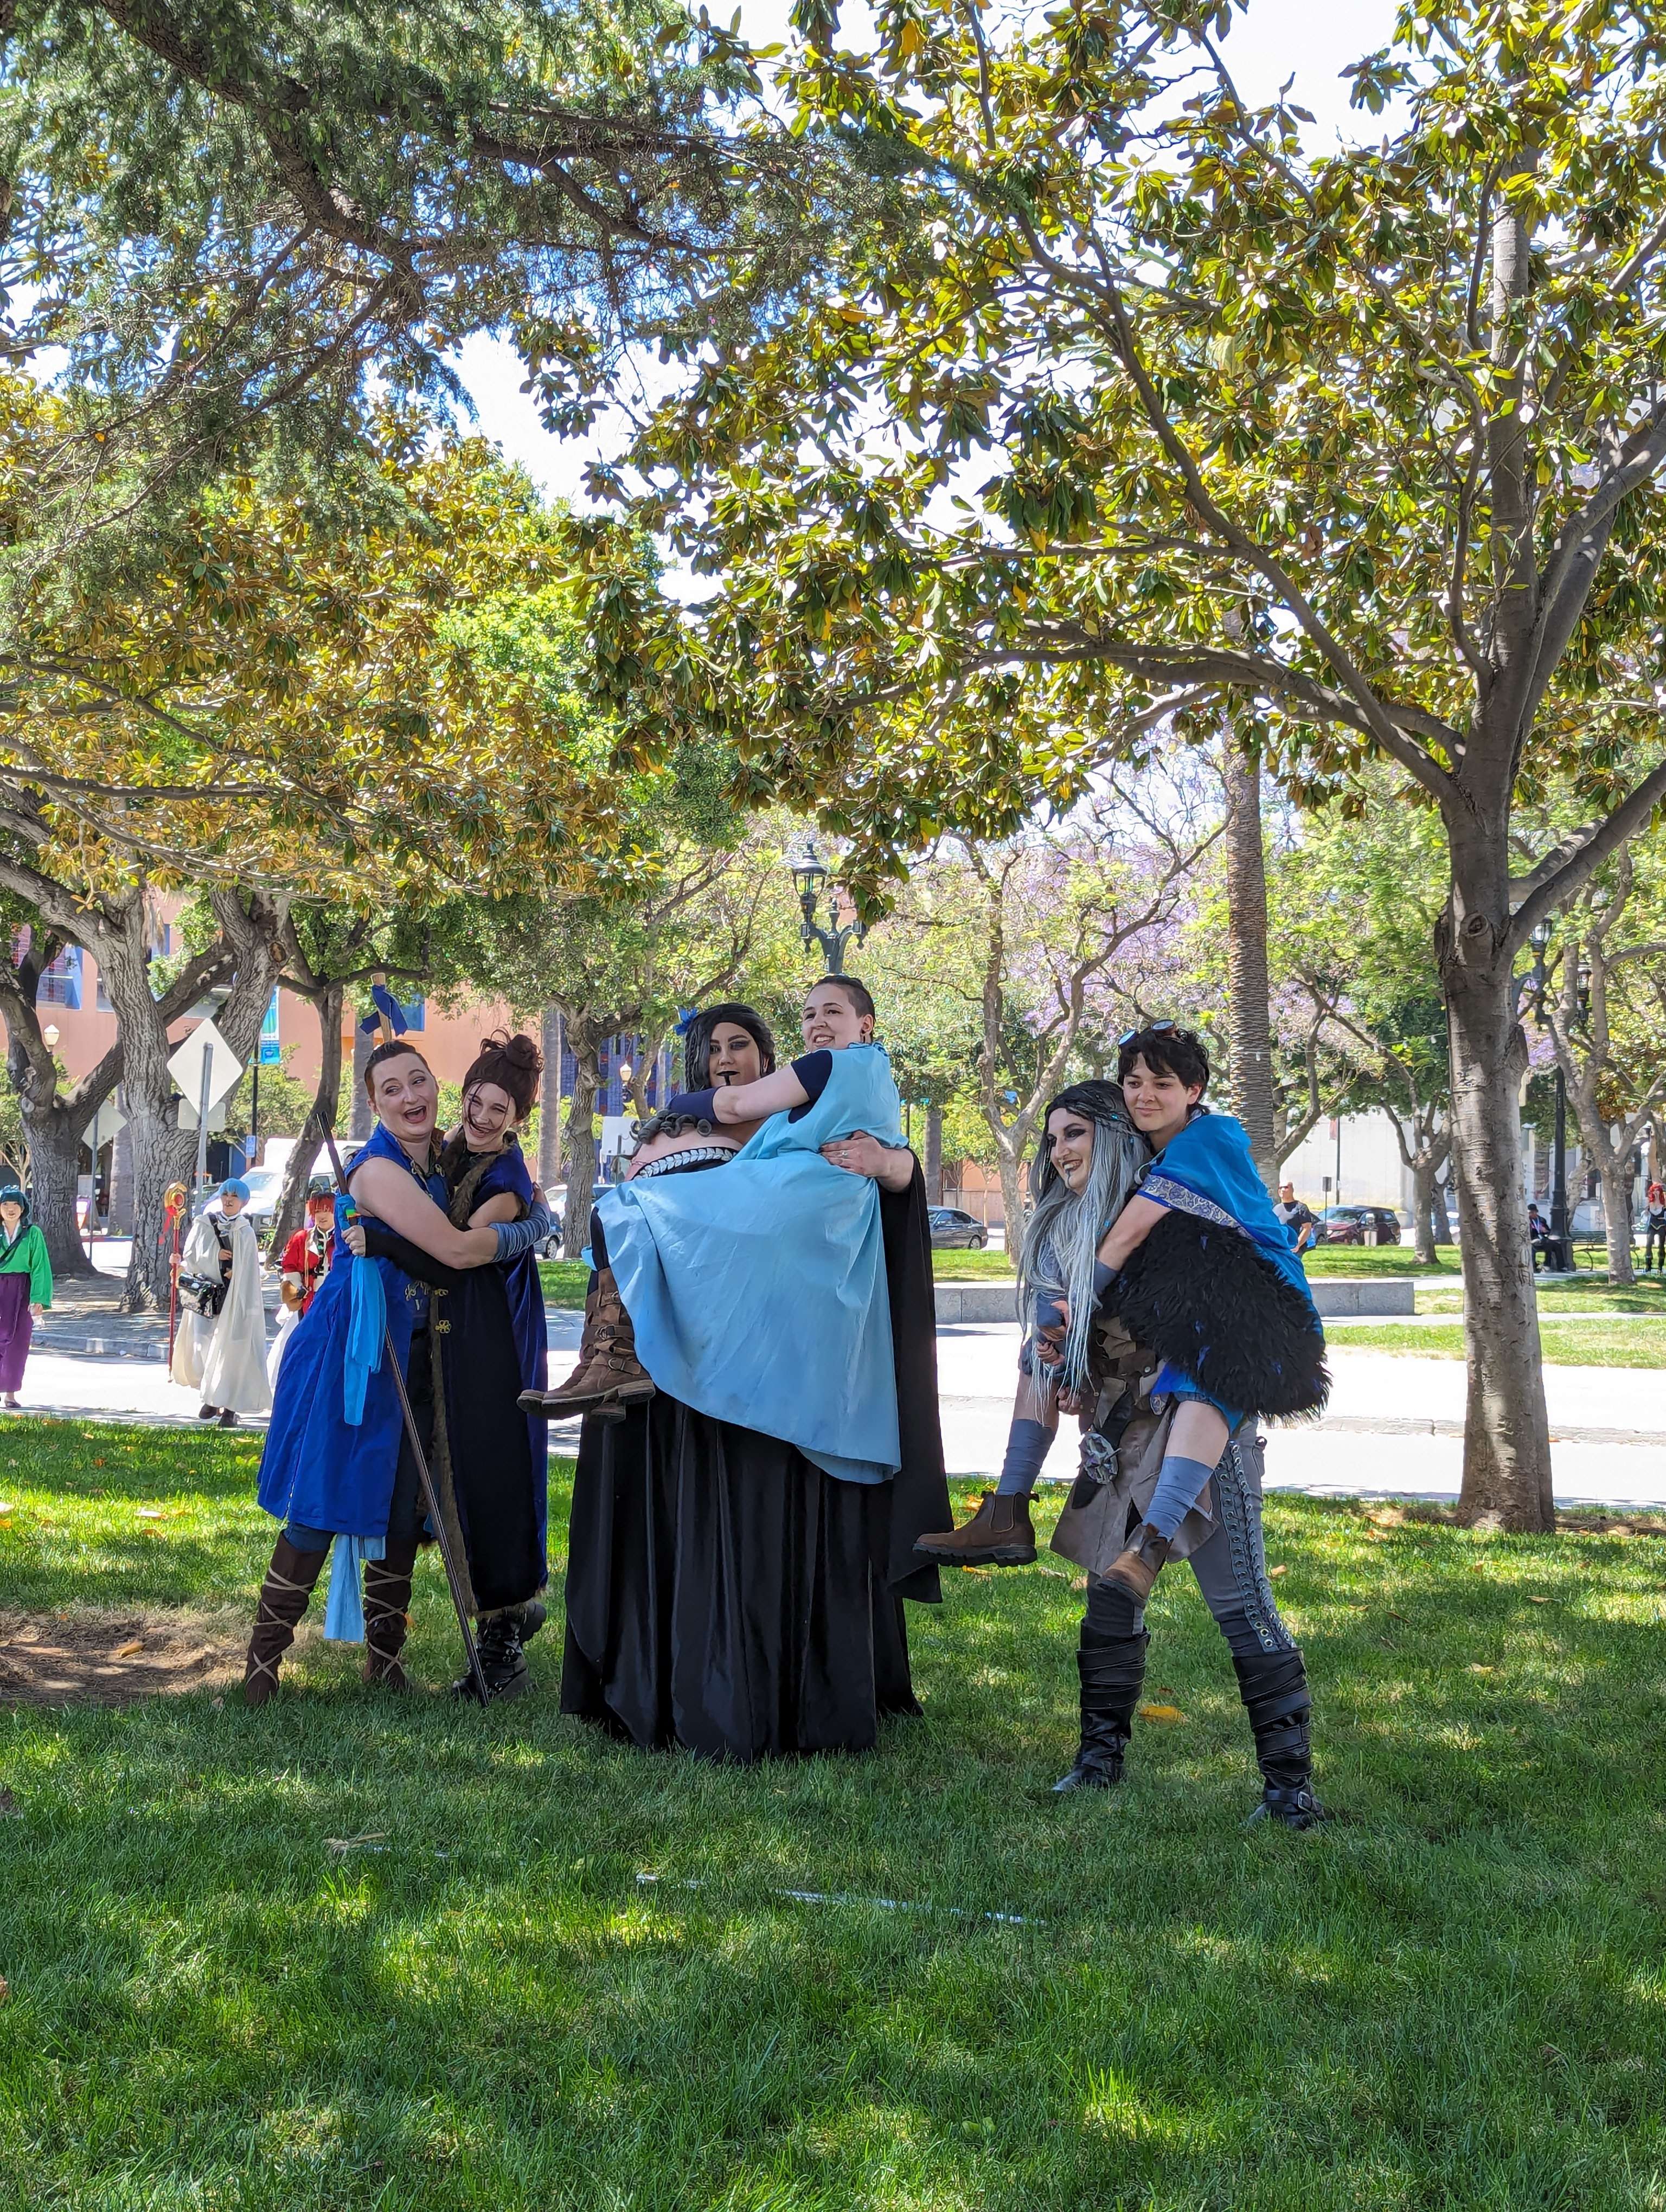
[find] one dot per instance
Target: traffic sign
(224, 1066)
(109, 1122)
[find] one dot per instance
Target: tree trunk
(1423, 1208)
(161, 1151)
(1614, 1170)
(1248, 1024)
(55, 1170)
(1440, 1218)
(1011, 1202)
(548, 1119)
(1506, 1441)
(320, 1117)
(584, 1042)
(934, 1161)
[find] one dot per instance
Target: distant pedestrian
(1538, 1233)
(305, 1263)
(220, 1348)
(26, 1288)
(1296, 1217)
(1654, 1217)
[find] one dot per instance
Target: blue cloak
(1209, 1171)
(315, 1468)
(758, 1295)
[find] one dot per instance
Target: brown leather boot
(998, 1535)
(1137, 1569)
(609, 1373)
(386, 1614)
(284, 1596)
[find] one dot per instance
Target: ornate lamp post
(1562, 1250)
(810, 877)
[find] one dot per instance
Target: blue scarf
(1208, 1169)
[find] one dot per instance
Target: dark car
(952, 1227)
(1357, 1225)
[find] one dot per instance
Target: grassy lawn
(1564, 1343)
(564, 1282)
(1455, 1997)
(1586, 1294)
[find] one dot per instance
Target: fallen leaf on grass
(341, 1845)
(977, 1571)
(150, 1512)
(9, 1808)
(1166, 1713)
(1476, 1669)
(1272, 1573)
(1541, 1601)
(5, 1988)
(1400, 1617)
(126, 1651)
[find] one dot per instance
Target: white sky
(1314, 39)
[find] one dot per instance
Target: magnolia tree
(1364, 443)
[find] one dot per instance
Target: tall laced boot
(283, 1595)
(998, 1535)
(497, 1638)
(1113, 1673)
(1136, 1570)
(387, 1613)
(609, 1375)
(1273, 1688)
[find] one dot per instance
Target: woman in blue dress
(743, 1533)
(338, 1461)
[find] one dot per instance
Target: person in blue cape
(742, 1530)
(1202, 1271)
(338, 1462)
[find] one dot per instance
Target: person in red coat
(304, 1264)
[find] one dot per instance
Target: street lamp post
(811, 876)
(1561, 1245)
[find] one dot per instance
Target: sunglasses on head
(1148, 1028)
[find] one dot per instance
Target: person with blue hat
(221, 1346)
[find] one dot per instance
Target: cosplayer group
(760, 1483)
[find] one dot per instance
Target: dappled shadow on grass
(359, 1950)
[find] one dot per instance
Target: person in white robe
(224, 1355)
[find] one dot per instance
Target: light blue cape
(758, 1291)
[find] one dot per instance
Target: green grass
(1454, 1998)
(1381, 1260)
(963, 1267)
(564, 1282)
(1563, 1343)
(1588, 1294)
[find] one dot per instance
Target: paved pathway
(1395, 1425)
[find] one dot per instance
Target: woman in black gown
(723, 1593)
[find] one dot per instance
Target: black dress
(725, 1594)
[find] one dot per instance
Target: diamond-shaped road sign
(109, 1122)
(185, 1066)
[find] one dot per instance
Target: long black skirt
(725, 1595)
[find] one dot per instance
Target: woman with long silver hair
(1090, 1163)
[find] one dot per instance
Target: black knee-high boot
(1113, 1671)
(1273, 1688)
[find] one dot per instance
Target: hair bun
(524, 1052)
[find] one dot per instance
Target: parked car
(952, 1227)
(265, 1188)
(1358, 1224)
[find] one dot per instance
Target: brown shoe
(609, 1373)
(1137, 1569)
(283, 1596)
(998, 1535)
(386, 1614)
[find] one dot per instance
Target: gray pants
(1230, 1566)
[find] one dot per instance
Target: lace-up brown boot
(386, 1614)
(609, 1375)
(998, 1535)
(1137, 1569)
(284, 1596)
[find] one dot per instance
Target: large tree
(1367, 441)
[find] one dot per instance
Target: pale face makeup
(1158, 1103)
(734, 1056)
(489, 1118)
(407, 1100)
(831, 1023)
(1070, 1144)
(230, 1204)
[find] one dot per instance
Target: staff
(430, 1497)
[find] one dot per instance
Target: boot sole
(564, 1409)
(1003, 1555)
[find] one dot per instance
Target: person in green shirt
(26, 1288)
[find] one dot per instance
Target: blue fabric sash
(757, 1291)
